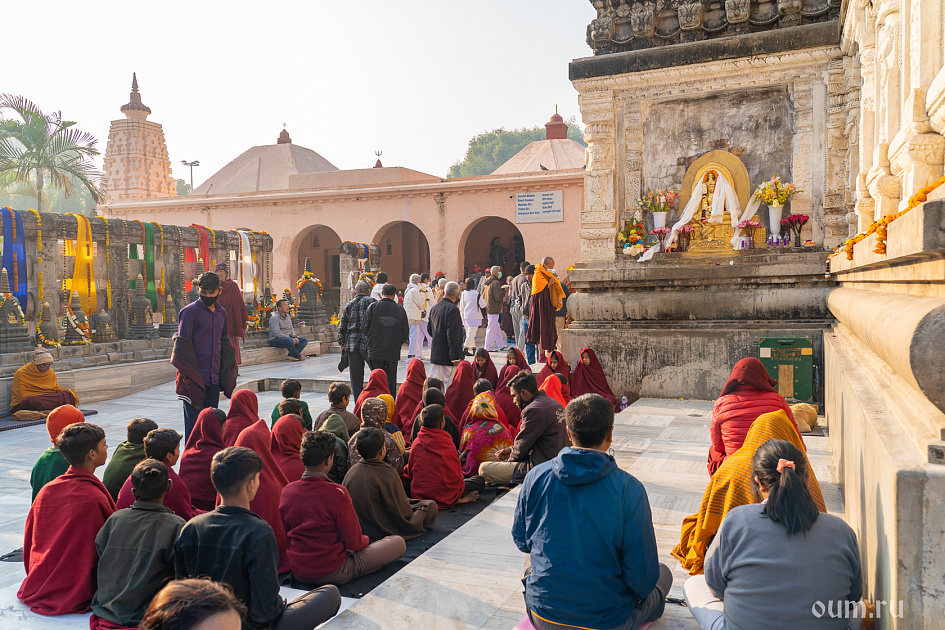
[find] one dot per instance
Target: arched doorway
(321, 245)
(478, 245)
(404, 251)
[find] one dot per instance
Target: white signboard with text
(539, 207)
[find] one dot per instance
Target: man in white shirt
(378, 289)
(416, 303)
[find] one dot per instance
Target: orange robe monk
(35, 386)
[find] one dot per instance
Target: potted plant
(659, 203)
(775, 194)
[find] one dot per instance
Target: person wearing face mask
(541, 435)
(202, 354)
(493, 291)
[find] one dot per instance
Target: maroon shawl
(376, 385)
(563, 368)
(590, 379)
(460, 391)
(489, 372)
(409, 393)
(244, 413)
(205, 441)
(503, 397)
(520, 362)
(749, 372)
(286, 442)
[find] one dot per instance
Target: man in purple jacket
(202, 354)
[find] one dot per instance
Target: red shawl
(409, 393)
(231, 299)
(563, 368)
(750, 372)
(434, 470)
(552, 387)
(503, 397)
(520, 362)
(286, 442)
(205, 441)
(177, 500)
(97, 623)
(376, 385)
(408, 430)
(590, 379)
(203, 244)
(59, 543)
(460, 391)
(244, 413)
(489, 372)
(271, 483)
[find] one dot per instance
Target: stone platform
(676, 325)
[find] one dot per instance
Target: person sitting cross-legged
(59, 541)
(36, 388)
(580, 576)
(127, 455)
(136, 550)
(292, 390)
(378, 495)
(326, 545)
(51, 463)
(233, 545)
(434, 396)
(194, 605)
(434, 471)
(164, 446)
(771, 563)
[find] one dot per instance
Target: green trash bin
(790, 360)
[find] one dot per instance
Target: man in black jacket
(446, 328)
(233, 545)
(386, 328)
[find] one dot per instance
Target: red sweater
(321, 525)
(177, 500)
(733, 414)
(434, 470)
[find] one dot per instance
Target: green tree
(183, 188)
(490, 150)
(39, 147)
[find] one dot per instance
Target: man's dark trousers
(390, 368)
(210, 399)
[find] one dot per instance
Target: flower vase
(774, 219)
(682, 244)
(797, 238)
(659, 219)
(750, 243)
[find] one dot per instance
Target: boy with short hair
(326, 545)
(339, 395)
(127, 455)
(292, 390)
(434, 471)
(231, 544)
(291, 407)
(59, 542)
(163, 445)
(51, 463)
(136, 549)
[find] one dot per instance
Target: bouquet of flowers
(794, 223)
(630, 238)
(774, 192)
(662, 234)
(749, 228)
(660, 200)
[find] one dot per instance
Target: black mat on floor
(8, 422)
(447, 521)
(13, 556)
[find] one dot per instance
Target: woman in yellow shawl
(390, 427)
(731, 487)
(35, 386)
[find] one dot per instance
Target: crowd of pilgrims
(312, 502)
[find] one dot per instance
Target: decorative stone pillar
(802, 146)
(599, 217)
(917, 152)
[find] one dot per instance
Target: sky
(414, 79)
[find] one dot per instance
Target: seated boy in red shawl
(136, 551)
(164, 446)
(434, 471)
(59, 542)
(51, 463)
(326, 544)
(434, 396)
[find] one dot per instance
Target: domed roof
(545, 155)
(265, 168)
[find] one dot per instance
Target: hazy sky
(415, 79)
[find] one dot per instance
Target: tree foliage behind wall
(490, 150)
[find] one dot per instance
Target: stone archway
(476, 244)
(320, 243)
(404, 251)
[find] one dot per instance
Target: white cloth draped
(247, 271)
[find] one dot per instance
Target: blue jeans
(288, 343)
(530, 348)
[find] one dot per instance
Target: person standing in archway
(547, 298)
(231, 299)
(493, 291)
(416, 304)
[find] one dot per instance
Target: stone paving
(470, 580)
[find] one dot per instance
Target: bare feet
(472, 497)
(292, 359)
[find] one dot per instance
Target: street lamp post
(191, 165)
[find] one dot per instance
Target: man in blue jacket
(587, 528)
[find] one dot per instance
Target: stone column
(867, 139)
(801, 168)
(633, 158)
(599, 217)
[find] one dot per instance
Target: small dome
(284, 137)
(556, 128)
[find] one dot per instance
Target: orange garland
(879, 227)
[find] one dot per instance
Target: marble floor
(470, 580)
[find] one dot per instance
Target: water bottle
(624, 403)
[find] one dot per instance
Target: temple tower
(136, 162)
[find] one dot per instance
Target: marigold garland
(879, 227)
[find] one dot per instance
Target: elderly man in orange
(547, 298)
(36, 388)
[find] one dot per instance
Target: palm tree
(41, 147)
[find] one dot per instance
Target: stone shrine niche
(755, 126)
